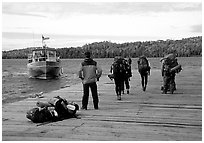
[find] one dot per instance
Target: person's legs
(118, 87)
(127, 85)
(123, 87)
(146, 80)
(94, 94)
(142, 80)
(174, 76)
(85, 97)
(165, 84)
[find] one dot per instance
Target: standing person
(144, 70)
(129, 60)
(128, 74)
(118, 70)
(169, 68)
(89, 73)
(167, 76)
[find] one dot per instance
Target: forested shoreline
(185, 47)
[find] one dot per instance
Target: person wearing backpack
(128, 74)
(169, 69)
(89, 73)
(118, 71)
(144, 70)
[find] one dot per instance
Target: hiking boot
(123, 92)
(164, 92)
(96, 107)
(128, 91)
(119, 97)
(83, 108)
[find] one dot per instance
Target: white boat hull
(44, 69)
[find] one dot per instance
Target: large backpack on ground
(38, 115)
(65, 112)
(61, 110)
(143, 64)
(118, 68)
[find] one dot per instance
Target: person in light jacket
(89, 73)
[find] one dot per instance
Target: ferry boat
(44, 64)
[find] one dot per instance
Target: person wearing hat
(89, 73)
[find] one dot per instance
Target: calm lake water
(17, 86)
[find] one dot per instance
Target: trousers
(85, 98)
(144, 77)
(167, 80)
(119, 85)
(127, 84)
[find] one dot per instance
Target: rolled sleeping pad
(161, 59)
(178, 67)
(170, 56)
(42, 104)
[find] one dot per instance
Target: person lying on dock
(55, 109)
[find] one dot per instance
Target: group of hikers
(121, 72)
(90, 72)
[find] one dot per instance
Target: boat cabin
(47, 54)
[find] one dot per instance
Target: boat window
(43, 54)
(42, 59)
(51, 54)
(29, 60)
(38, 54)
(30, 56)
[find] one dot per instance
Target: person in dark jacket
(89, 73)
(128, 74)
(144, 70)
(118, 71)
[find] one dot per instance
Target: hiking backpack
(39, 116)
(118, 68)
(143, 64)
(65, 112)
(171, 65)
(55, 113)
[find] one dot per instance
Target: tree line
(185, 47)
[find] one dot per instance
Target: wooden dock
(139, 116)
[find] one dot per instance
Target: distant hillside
(183, 48)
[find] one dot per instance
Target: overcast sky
(75, 24)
